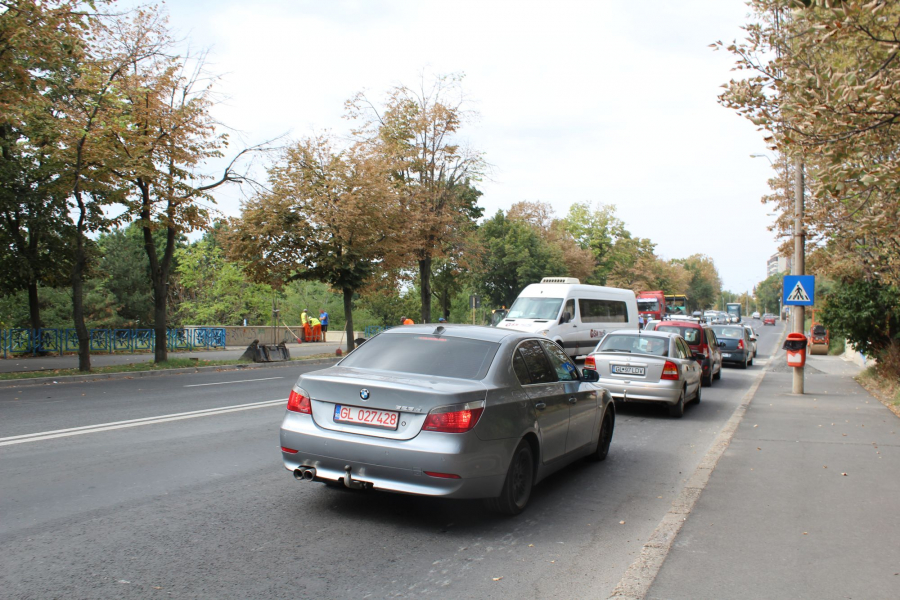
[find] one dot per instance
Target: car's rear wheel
(677, 410)
(744, 364)
(718, 374)
(606, 433)
(696, 399)
(517, 487)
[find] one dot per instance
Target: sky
(578, 101)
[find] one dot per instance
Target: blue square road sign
(799, 290)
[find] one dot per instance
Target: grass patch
(836, 346)
(886, 389)
(172, 363)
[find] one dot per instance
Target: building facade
(778, 264)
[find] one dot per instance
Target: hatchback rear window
(728, 332)
(635, 344)
(692, 335)
(425, 354)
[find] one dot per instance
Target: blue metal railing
(58, 341)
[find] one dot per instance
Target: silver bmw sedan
(648, 366)
(447, 410)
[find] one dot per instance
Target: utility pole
(798, 312)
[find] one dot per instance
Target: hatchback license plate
(385, 419)
(726, 355)
(628, 370)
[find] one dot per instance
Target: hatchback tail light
(670, 371)
(459, 418)
(298, 401)
(590, 363)
(740, 344)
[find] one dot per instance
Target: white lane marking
(49, 435)
(227, 382)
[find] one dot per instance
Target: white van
(573, 315)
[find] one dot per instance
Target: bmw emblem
(364, 394)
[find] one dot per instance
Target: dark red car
(703, 342)
(769, 320)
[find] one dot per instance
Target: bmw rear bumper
(400, 465)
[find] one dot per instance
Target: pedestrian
(323, 317)
(442, 320)
(307, 330)
(640, 321)
(406, 321)
(316, 326)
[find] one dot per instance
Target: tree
(579, 262)
(822, 87)
(514, 256)
(418, 129)
(330, 215)
(768, 292)
(704, 284)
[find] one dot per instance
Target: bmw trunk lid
(411, 396)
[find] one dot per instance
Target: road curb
(14, 383)
(638, 578)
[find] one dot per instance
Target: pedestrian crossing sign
(799, 290)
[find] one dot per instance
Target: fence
(373, 330)
(46, 341)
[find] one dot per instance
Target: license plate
(384, 419)
(627, 370)
(726, 355)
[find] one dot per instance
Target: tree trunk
(445, 303)
(84, 340)
(348, 314)
(425, 288)
(34, 306)
(160, 326)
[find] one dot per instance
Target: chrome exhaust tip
(309, 474)
(299, 474)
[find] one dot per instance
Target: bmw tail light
(670, 371)
(459, 418)
(298, 401)
(590, 363)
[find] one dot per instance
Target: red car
(769, 320)
(703, 342)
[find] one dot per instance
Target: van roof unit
(560, 280)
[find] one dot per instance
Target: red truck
(651, 305)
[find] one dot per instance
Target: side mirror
(589, 375)
(566, 317)
(721, 344)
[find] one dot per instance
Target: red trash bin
(795, 344)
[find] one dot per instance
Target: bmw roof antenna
(438, 330)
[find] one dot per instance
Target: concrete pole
(799, 266)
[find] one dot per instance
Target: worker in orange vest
(406, 321)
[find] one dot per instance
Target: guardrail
(47, 341)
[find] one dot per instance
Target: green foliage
(704, 284)
(515, 256)
(768, 293)
(867, 314)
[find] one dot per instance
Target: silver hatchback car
(449, 410)
(648, 366)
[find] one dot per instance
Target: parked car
(753, 338)
(647, 366)
(768, 319)
(703, 342)
(734, 341)
(453, 411)
(651, 324)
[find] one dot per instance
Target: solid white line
(227, 382)
(48, 435)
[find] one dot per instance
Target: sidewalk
(70, 361)
(804, 502)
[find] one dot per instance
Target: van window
(534, 308)
(570, 308)
(602, 311)
(565, 370)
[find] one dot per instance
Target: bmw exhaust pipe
(305, 473)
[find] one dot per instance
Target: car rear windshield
(692, 335)
(534, 308)
(425, 354)
(635, 344)
(729, 332)
(818, 330)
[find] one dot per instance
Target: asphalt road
(199, 505)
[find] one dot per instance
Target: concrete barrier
(243, 336)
